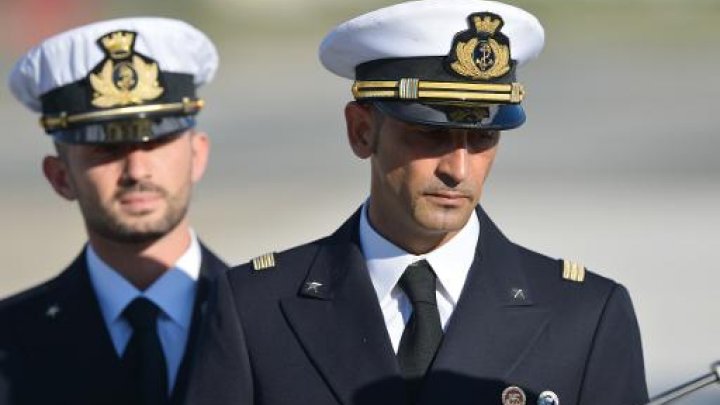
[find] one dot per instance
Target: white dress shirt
(386, 263)
(174, 293)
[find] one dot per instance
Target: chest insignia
(52, 311)
(513, 396)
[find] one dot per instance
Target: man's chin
(135, 232)
(137, 238)
(138, 234)
(444, 221)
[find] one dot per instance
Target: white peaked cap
(70, 56)
(422, 28)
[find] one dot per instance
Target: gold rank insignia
(125, 77)
(264, 262)
(481, 52)
(573, 271)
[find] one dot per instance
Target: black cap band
(432, 68)
(76, 98)
(70, 116)
(492, 104)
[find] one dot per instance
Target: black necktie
(423, 332)
(144, 359)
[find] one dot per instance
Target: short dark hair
(61, 150)
(378, 120)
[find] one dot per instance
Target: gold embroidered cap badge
(125, 77)
(481, 52)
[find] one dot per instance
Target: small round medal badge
(513, 396)
(548, 398)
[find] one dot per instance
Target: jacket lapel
(73, 350)
(80, 342)
(337, 319)
(211, 268)
(494, 324)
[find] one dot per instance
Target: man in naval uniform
(118, 99)
(418, 298)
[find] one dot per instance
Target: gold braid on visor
(62, 121)
(416, 89)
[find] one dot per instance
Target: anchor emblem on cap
(481, 52)
(125, 77)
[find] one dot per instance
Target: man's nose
(137, 164)
(453, 167)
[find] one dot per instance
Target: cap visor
(456, 114)
(125, 131)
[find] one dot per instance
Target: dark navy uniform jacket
(68, 358)
(275, 337)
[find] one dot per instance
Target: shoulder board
(264, 262)
(573, 271)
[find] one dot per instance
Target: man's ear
(361, 129)
(200, 143)
(58, 175)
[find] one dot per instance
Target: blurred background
(616, 167)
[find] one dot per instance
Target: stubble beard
(135, 229)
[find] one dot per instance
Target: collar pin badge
(313, 287)
(513, 395)
(52, 311)
(548, 398)
(518, 294)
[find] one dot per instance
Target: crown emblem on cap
(481, 52)
(486, 23)
(125, 77)
(118, 44)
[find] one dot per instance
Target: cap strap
(415, 89)
(63, 121)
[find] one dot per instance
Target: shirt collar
(451, 261)
(173, 292)
(386, 262)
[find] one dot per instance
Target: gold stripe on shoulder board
(573, 271)
(264, 262)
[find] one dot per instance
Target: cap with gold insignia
(123, 80)
(438, 62)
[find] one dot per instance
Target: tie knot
(418, 282)
(141, 313)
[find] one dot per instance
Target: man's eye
(102, 150)
(105, 151)
(483, 140)
(432, 133)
